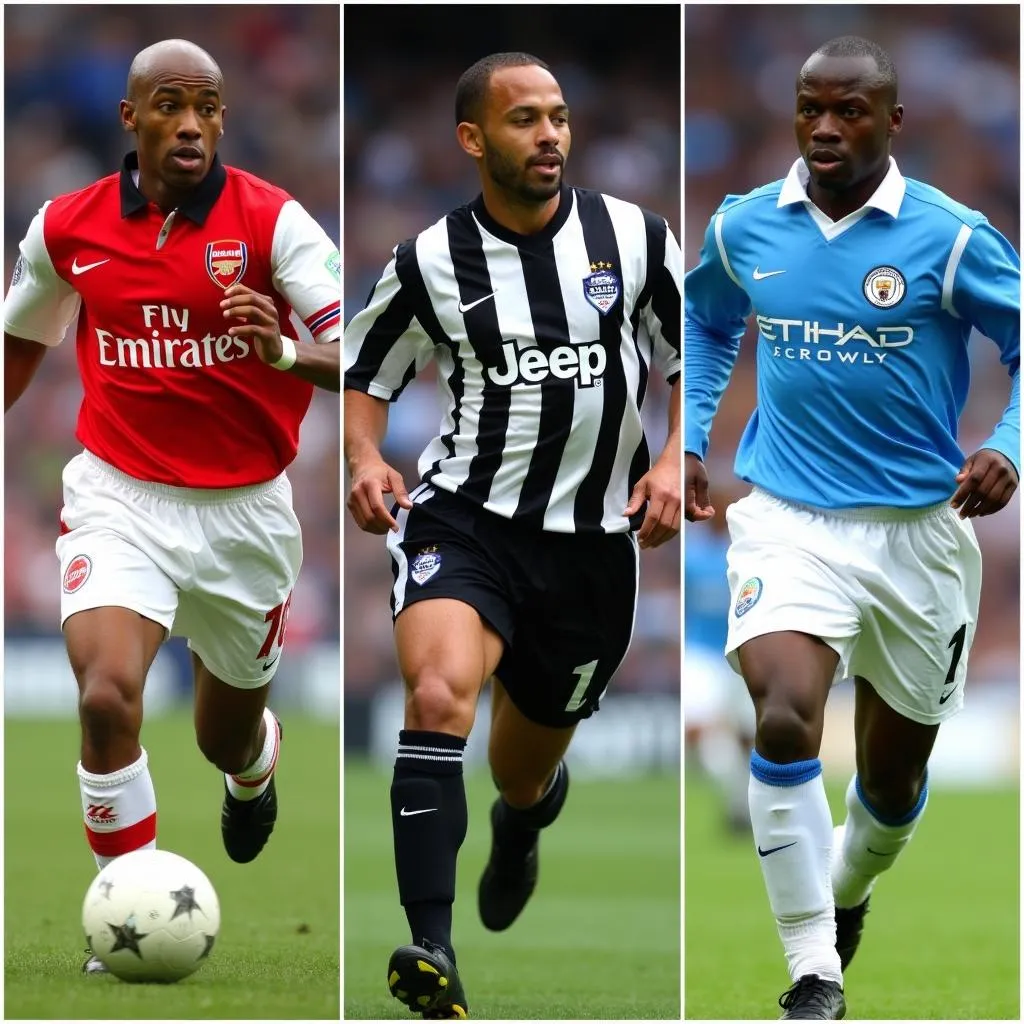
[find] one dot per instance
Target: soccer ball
(151, 916)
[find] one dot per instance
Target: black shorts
(563, 603)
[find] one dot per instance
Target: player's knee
(785, 733)
(522, 793)
(890, 795)
(230, 754)
(434, 704)
(109, 703)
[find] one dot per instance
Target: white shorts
(215, 566)
(894, 592)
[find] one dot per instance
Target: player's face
(844, 121)
(525, 128)
(179, 119)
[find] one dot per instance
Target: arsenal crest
(601, 287)
(226, 261)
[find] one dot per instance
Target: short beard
(504, 171)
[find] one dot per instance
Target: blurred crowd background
(619, 72)
(958, 69)
(64, 75)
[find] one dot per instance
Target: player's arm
(319, 364)
(660, 486)
(986, 293)
(21, 360)
(306, 270)
(38, 308)
(385, 346)
(716, 308)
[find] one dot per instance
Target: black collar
(538, 240)
(198, 205)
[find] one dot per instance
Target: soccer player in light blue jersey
(854, 555)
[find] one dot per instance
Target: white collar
(888, 197)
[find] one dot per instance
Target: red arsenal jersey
(169, 396)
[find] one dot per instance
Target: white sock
(792, 828)
(866, 846)
(119, 810)
(251, 783)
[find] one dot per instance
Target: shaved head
(175, 55)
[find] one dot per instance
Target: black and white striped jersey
(543, 345)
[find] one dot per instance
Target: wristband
(288, 355)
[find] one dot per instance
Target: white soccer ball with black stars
(151, 915)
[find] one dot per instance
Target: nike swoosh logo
(76, 269)
(465, 308)
(408, 814)
(877, 854)
(267, 664)
(775, 849)
(758, 276)
(946, 696)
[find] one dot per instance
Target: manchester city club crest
(749, 595)
(425, 565)
(884, 287)
(226, 261)
(601, 287)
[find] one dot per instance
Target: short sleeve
(39, 304)
(306, 269)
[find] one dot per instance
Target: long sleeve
(986, 293)
(716, 308)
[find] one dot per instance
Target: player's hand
(987, 481)
(659, 487)
(259, 320)
(698, 501)
(370, 482)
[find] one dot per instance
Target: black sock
(429, 820)
(518, 827)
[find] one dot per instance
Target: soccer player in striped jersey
(854, 555)
(545, 307)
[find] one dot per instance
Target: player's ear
(895, 120)
(223, 115)
(470, 139)
(127, 113)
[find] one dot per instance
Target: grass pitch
(941, 941)
(598, 940)
(277, 953)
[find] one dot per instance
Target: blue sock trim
(794, 774)
(905, 819)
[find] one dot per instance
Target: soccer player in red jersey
(177, 515)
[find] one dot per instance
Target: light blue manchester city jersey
(862, 363)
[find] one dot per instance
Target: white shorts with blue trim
(894, 592)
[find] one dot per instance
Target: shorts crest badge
(425, 565)
(77, 572)
(884, 287)
(226, 261)
(749, 595)
(601, 287)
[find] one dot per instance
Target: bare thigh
(523, 755)
(228, 720)
(446, 653)
(788, 676)
(892, 753)
(111, 650)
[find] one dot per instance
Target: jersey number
(278, 619)
(586, 673)
(957, 643)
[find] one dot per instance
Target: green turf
(941, 940)
(277, 953)
(599, 939)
